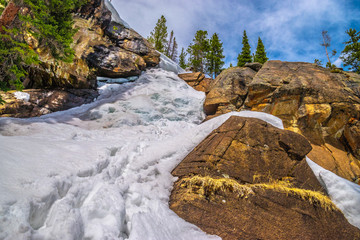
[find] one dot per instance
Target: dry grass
(208, 187)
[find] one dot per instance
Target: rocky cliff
(321, 105)
(104, 46)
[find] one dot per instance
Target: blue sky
(290, 29)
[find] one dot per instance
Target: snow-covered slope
(115, 15)
(102, 171)
(169, 65)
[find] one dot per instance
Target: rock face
(249, 180)
(197, 80)
(321, 105)
(228, 91)
(102, 47)
(44, 101)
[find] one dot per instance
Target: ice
(344, 194)
(22, 96)
(115, 15)
(103, 170)
(169, 65)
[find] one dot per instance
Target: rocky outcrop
(102, 47)
(249, 180)
(44, 101)
(321, 105)
(197, 80)
(115, 62)
(229, 90)
(254, 66)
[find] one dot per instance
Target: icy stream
(102, 170)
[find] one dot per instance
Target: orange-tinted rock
(228, 89)
(310, 100)
(102, 47)
(236, 184)
(197, 80)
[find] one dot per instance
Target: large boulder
(197, 80)
(228, 91)
(115, 62)
(249, 180)
(311, 100)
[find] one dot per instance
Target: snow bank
(115, 15)
(169, 65)
(101, 171)
(22, 96)
(345, 194)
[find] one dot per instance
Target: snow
(93, 171)
(169, 65)
(344, 194)
(115, 15)
(22, 96)
(103, 170)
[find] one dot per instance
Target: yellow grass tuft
(208, 186)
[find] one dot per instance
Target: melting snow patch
(169, 65)
(344, 194)
(22, 96)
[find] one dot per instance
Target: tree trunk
(327, 54)
(8, 15)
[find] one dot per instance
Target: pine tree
(260, 55)
(215, 56)
(351, 52)
(198, 50)
(317, 62)
(159, 34)
(245, 55)
(169, 45)
(182, 60)
(231, 65)
(326, 44)
(49, 21)
(174, 51)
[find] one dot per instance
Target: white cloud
(338, 62)
(290, 29)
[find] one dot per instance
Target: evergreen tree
(182, 60)
(198, 50)
(174, 51)
(231, 65)
(351, 52)
(215, 56)
(260, 55)
(317, 62)
(49, 21)
(245, 55)
(326, 44)
(158, 35)
(169, 45)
